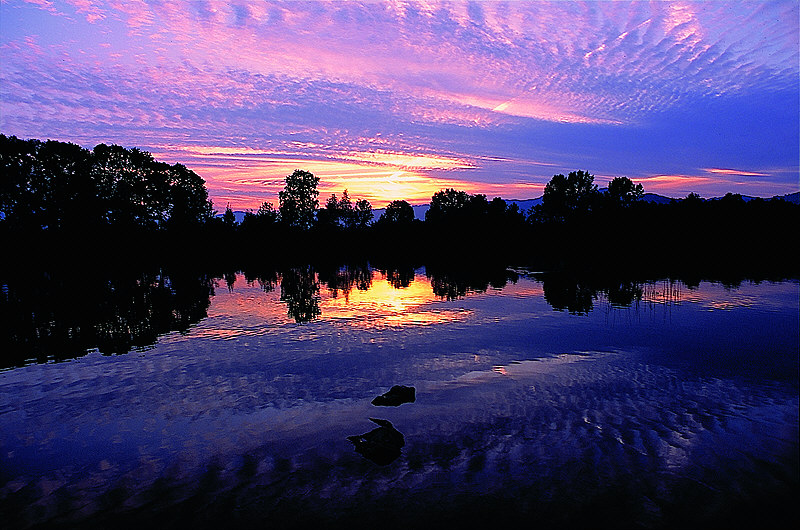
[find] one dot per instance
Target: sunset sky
(396, 100)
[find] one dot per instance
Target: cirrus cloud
(614, 87)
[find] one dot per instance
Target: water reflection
(63, 314)
(300, 292)
(578, 295)
(343, 279)
(453, 283)
(574, 417)
(381, 445)
(399, 276)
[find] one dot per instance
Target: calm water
(539, 399)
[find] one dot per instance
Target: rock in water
(396, 396)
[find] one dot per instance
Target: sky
(397, 100)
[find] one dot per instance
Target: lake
(244, 399)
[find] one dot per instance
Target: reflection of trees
(454, 283)
(568, 294)
(267, 278)
(577, 295)
(300, 291)
(399, 276)
(624, 293)
(230, 280)
(62, 315)
(343, 279)
(449, 287)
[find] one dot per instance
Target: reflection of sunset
(715, 296)
(249, 302)
(382, 305)
(249, 310)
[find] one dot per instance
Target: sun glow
(246, 177)
(384, 305)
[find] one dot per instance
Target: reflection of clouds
(247, 310)
(765, 296)
(383, 305)
(262, 420)
(576, 430)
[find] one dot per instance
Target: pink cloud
(735, 172)
(452, 87)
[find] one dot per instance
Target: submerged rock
(381, 445)
(396, 396)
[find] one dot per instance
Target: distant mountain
(526, 204)
(237, 215)
(655, 198)
(794, 198)
(419, 211)
(789, 197)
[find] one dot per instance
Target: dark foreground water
(540, 401)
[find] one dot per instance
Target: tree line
(60, 188)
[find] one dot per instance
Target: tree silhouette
(299, 200)
(44, 184)
(188, 204)
(446, 205)
(567, 196)
(229, 218)
(397, 212)
(337, 213)
(342, 213)
(622, 192)
(133, 184)
(59, 186)
(362, 213)
(263, 220)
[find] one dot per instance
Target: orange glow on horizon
(708, 185)
(675, 185)
(247, 177)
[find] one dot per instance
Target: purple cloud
(618, 88)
